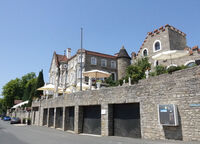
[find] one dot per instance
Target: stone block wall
(181, 88)
(21, 114)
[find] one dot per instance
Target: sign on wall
(168, 115)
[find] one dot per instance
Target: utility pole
(81, 58)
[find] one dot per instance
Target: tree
(12, 91)
(24, 81)
(137, 70)
(134, 72)
(39, 83)
(30, 86)
(15, 89)
(2, 106)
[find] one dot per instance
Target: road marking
(91, 135)
(18, 125)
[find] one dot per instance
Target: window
(79, 73)
(145, 52)
(157, 46)
(155, 63)
(171, 65)
(93, 61)
(79, 58)
(191, 64)
(113, 64)
(113, 75)
(103, 62)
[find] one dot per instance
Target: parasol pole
(171, 58)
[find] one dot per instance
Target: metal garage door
(59, 117)
(92, 119)
(45, 116)
(69, 112)
(51, 117)
(126, 120)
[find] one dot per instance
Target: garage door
(45, 116)
(92, 119)
(59, 117)
(51, 117)
(126, 120)
(69, 112)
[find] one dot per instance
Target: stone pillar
(106, 120)
(47, 117)
(41, 112)
(78, 119)
(54, 121)
(63, 121)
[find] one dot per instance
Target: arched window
(145, 52)
(157, 46)
(113, 75)
(156, 63)
(191, 64)
(171, 65)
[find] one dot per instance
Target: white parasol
(171, 54)
(96, 74)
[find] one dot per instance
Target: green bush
(160, 70)
(152, 73)
(111, 82)
(172, 69)
(137, 70)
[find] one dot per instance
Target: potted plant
(28, 121)
(24, 120)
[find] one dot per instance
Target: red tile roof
(100, 54)
(61, 58)
(195, 48)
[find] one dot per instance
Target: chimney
(69, 52)
(133, 55)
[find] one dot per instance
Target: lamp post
(81, 57)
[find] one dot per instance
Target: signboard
(17, 101)
(168, 115)
(103, 111)
(194, 105)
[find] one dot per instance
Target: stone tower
(123, 61)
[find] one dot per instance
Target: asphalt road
(10, 134)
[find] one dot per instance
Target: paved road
(10, 134)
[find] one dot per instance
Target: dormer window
(157, 46)
(145, 52)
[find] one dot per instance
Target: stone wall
(181, 88)
(21, 114)
(177, 40)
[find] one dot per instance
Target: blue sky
(31, 30)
